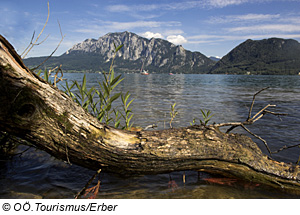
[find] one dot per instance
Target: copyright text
(40, 207)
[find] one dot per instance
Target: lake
(35, 174)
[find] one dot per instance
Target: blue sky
(212, 27)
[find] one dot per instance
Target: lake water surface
(35, 174)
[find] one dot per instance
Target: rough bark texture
(40, 113)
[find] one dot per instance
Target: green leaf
(114, 97)
(84, 83)
(108, 107)
(46, 75)
(116, 84)
(130, 103)
(210, 117)
(100, 116)
(112, 76)
(39, 72)
(127, 96)
(107, 91)
(92, 90)
(105, 78)
(130, 118)
(119, 47)
(115, 80)
(77, 85)
(203, 114)
(117, 124)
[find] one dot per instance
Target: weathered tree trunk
(32, 109)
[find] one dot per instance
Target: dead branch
(62, 38)
(250, 120)
(285, 147)
(31, 44)
(35, 43)
(93, 191)
(253, 100)
(258, 137)
(82, 191)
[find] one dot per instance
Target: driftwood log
(38, 112)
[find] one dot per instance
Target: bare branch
(37, 44)
(31, 45)
(275, 114)
(258, 137)
(259, 112)
(252, 104)
(228, 124)
(60, 29)
(250, 120)
(62, 38)
(285, 147)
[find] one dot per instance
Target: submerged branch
(82, 191)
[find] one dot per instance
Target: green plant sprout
(206, 116)
(45, 76)
(127, 116)
(173, 114)
(193, 122)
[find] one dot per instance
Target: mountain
(158, 55)
(268, 56)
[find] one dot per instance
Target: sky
(212, 27)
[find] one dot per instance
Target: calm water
(37, 175)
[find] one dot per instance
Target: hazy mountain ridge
(268, 56)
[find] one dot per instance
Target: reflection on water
(35, 174)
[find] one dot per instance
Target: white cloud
(215, 57)
(250, 26)
(225, 3)
(131, 25)
(133, 8)
(252, 16)
(243, 18)
(108, 26)
(184, 5)
(172, 32)
(150, 35)
(177, 39)
(266, 28)
(118, 8)
(215, 39)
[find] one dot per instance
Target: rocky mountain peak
(158, 54)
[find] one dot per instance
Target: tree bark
(38, 112)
